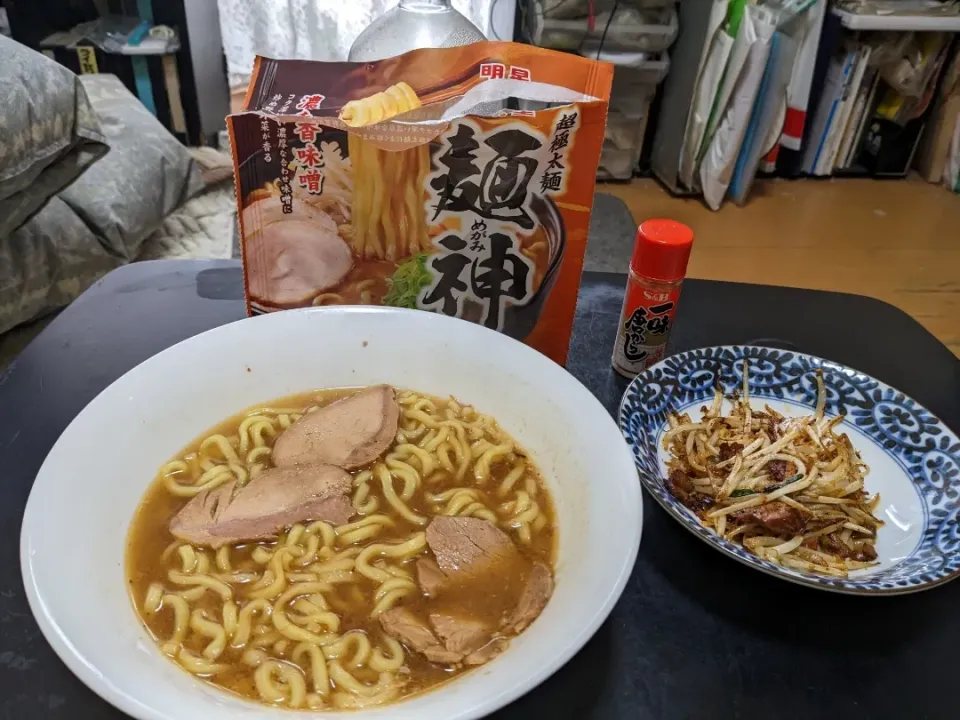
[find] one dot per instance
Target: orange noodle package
(454, 180)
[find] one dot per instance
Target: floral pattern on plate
(920, 445)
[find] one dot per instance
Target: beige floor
(896, 240)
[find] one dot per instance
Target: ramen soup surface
(342, 548)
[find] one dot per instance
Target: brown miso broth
(500, 485)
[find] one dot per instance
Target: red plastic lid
(662, 249)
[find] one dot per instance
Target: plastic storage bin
(622, 145)
(635, 82)
(569, 9)
(633, 30)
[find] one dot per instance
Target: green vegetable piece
(410, 277)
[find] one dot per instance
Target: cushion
(101, 220)
(47, 262)
(49, 133)
(146, 175)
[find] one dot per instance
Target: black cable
(547, 10)
(606, 27)
(523, 5)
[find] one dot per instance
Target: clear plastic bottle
(411, 25)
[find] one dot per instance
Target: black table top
(695, 635)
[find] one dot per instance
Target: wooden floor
(896, 240)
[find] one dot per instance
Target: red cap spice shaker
(657, 269)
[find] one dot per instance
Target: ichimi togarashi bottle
(657, 269)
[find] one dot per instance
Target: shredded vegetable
(789, 489)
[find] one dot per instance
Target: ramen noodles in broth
(366, 597)
(418, 182)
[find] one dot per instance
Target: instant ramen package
(454, 180)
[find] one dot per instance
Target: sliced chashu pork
(348, 433)
(406, 627)
(277, 498)
(488, 652)
(466, 549)
(452, 641)
(296, 260)
(468, 546)
(459, 634)
(469, 638)
(536, 592)
(430, 577)
(270, 210)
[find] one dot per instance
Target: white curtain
(322, 29)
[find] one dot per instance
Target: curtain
(322, 29)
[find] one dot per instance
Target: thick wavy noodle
(380, 107)
(388, 214)
(293, 622)
(387, 224)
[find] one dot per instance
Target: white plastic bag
(713, 62)
(716, 169)
(766, 119)
(731, 76)
(951, 171)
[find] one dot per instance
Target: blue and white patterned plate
(914, 458)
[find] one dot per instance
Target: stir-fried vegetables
(789, 489)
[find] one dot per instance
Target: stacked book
(872, 103)
(848, 101)
(784, 87)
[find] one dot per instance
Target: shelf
(920, 23)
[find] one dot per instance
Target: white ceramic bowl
(76, 521)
